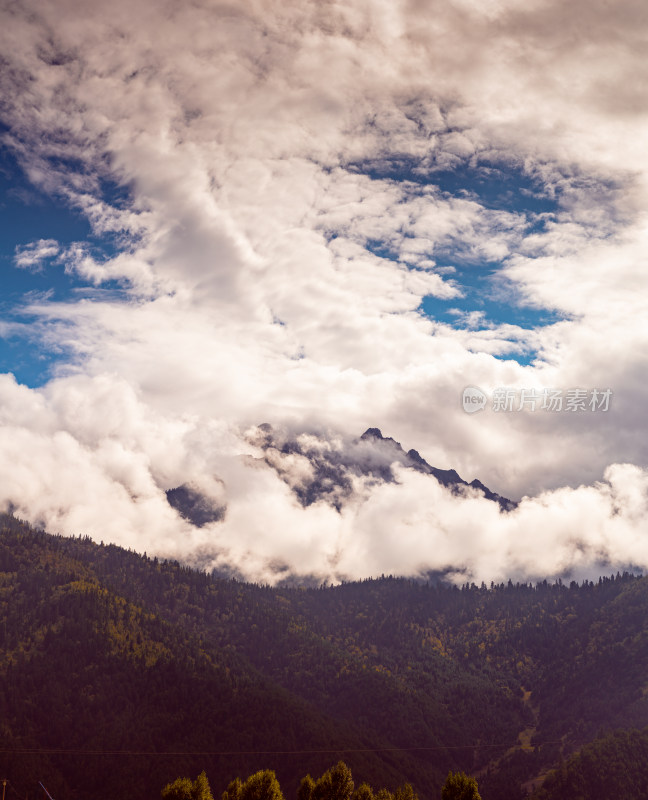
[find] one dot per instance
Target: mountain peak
(372, 433)
(194, 506)
(321, 470)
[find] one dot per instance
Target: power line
(212, 753)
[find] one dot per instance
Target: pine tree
(180, 789)
(186, 789)
(405, 792)
(335, 784)
(201, 790)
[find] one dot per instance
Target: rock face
(194, 506)
(330, 469)
(317, 468)
(446, 477)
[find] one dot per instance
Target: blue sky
(487, 299)
(30, 215)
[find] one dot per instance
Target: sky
(328, 216)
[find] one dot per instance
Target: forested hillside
(120, 672)
(615, 766)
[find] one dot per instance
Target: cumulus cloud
(281, 186)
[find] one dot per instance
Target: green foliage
(405, 792)
(185, 789)
(201, 788)
(263, 785)
(335, 784)
(363, 792)
(459, 786)
(233, 791)
(306, 786)
(180, 789)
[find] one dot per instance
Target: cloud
(109, 475)
(33, 255)
(277, 188)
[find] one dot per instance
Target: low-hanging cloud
(91, 457)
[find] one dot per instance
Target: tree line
(335, 784)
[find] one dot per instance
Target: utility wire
(144, 753)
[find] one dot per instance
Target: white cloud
(283, 226)
(32, 256)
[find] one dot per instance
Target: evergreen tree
(186, 789)
(405, 792)
(180, 789)
(335, 784)
(201, 790)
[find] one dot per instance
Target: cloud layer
(279, 186)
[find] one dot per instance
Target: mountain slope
(86, 670)
(104, 650)
(614, 767)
